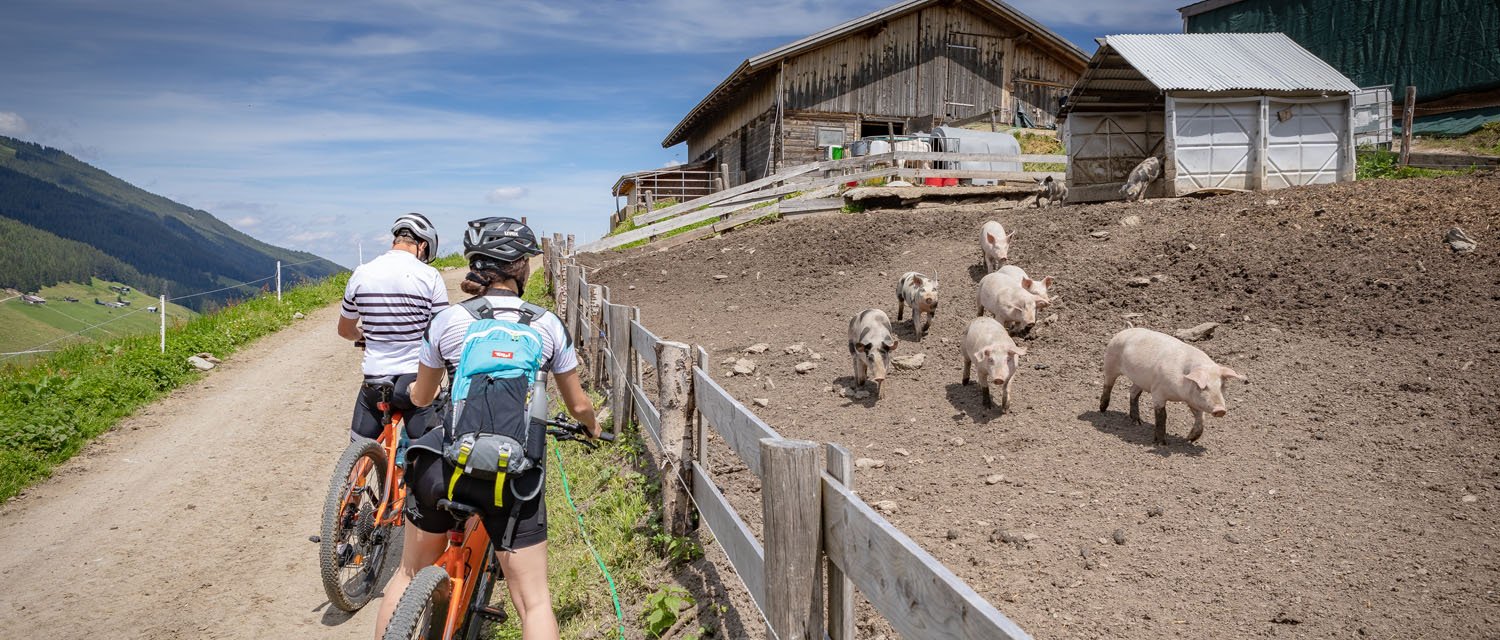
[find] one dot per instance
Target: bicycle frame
(389, 509)
(466, 556)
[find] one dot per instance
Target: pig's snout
(880, 377)
(932, 303)
(1219, 412)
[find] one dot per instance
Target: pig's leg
(920, 321)
(859, 371)
(1109, 385)
(1135, 402)
(1161, 423)
(900, 307)
(1197, 431)
(989, 403)
(1005, 397)
(967, 365)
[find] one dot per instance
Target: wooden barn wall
(749, 104)
(746, 152)
(1053, 80)
(799, 141)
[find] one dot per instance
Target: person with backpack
(387, 305)
(490, 451)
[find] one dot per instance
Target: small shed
(1243, 111)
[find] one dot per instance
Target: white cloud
(247, 222)
(309, 237)
(504, 194)
(671, 163)
(12, 124)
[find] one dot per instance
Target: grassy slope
(29, 325)
(56, 404)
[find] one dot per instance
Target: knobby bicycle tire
(423, 609)
(352, 596)
(474, 624)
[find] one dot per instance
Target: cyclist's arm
(578, 402)
(349, 329)
(426, 387)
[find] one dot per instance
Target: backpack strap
(478, 307)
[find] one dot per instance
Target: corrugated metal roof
(1228, 61)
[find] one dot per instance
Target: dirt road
(1350, 491)
(191, 519)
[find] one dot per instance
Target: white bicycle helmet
(422, 228)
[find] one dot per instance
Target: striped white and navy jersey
(394, 298)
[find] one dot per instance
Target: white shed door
(1213, 143)
(1304, 142)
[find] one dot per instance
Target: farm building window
(868, 129)
(830, 137)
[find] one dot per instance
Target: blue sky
(312, 125)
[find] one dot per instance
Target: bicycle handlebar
(564, 429)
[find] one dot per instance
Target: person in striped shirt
(388, 304)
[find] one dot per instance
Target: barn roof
(752, 67)
(1226, 62)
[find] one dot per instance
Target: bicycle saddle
(458, 509)
(381, 382)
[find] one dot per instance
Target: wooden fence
(815, 181)
(821, 542)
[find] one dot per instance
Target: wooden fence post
(840, 589)
(633, 371)
(570, 303)
(619, 349)
(1407, 113)
(792, 512)
(570, 245)
(674, 386)
(547, 258)
(596, 340)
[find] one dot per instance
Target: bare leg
(1197, 431)
(419, 550)
(526, 577)
(1161, 423)
(1135, 402)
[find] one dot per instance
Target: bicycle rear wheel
(352, 550)
(483, 590)
(423, 609)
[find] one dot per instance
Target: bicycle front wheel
(352, 550)
(423, 609)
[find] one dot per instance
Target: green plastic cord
(567, 491)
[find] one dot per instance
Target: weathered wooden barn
(903, 69)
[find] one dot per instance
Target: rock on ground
(911, 362)
(200, 363)
(1201, 332)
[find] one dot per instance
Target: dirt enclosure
(1351, 490)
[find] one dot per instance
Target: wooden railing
(818, 180)
(820, 541)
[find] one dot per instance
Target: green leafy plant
(664, 608)
(676, 549)
(1375, 164)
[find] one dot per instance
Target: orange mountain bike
(451, 598)
(362, 515)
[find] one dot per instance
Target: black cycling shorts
(427, 476)
(366, 421)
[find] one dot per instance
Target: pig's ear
(917, 280)
(1019, 351)
(989, 238)
(1200, 376)
(891, 344)
(1226, 372)
(1010, 235)
(1026, 283)
(985, 352)
(1047, 281)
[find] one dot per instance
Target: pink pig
(1172, 370)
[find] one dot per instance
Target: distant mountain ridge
(143, 239)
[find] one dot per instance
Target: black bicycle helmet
(498, 240)
(422, 228)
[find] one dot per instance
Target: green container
(836, 153)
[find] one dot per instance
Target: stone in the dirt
(816, 357)
(805, 367)
(1030, 537)
(209, 357)
(957, 441)
(1272, 202)
(1469, 498)
(1100, 235)
(1130, 220)
(887, 506)
(1119, 536)
(861, 394)
(1040, 366)
(901, 452)
(721, 277)
(630, 288)
(298, 316)
(1049, 319)
(770, 384)
(1201, 332)
(761, 402)
(1138, 281)
(1229, 537)
(200, 364)
(911, 362)
(744, 367)
(995, 479)
(796, 349)
(869, 463)
(989, 459)
(728, 361)
(759, 347)
(952, 534)
(842, 391)
(1459, 241)
(1154, 511)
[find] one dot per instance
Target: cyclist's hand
(593, 428)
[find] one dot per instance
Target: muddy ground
(1351, 490)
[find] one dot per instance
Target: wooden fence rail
(819, 542)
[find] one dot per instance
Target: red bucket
(950, 182)
(932, 182)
